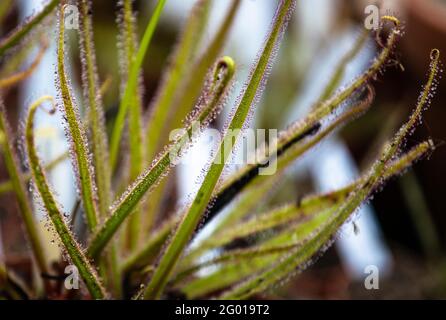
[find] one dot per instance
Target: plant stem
(86, 270)
(77, 134)
(19, 34)
(130, 199)
(18, 185)
(191, 219)
(132, 82)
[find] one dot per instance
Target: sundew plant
(129, 246)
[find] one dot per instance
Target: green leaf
(235, 265)
(135, 142)
(302, 129)
(132, 82)
(289, 148)
(128, 201)
(97, 130)
(95, 110)
(171, 84)
(372, 180)
(19, 188)
(20, 32)
(77, 135)
(19, 76)
(7, 186)
(233, 271)
(302, 210)
(86, 270)
(181, 103)
(339, 72)
(191, 219)
(143, 257)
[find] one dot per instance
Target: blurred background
(402, 231)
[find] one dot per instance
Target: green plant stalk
(18, 185)
(169, 117)
(334, 102)
(339, 73)
(420, 214)
(129, 200)
(86, 270)
(261, 183)
(191, 219)
(12, 286)
(76, 130)
(335, 200)
(303, 128)
(7, 186)
(19, 34)
(193, 85)
(264, 280)
(230, 272)
(141, 258)
(175, 75)
(281, 217)
(96, 113)
(286, 154)
(132, 82)
(249, 200)
(134, 122)
(97, 131)
(235, 256)
(234, 271)
(16, 60)
(181, 64)
(306, 207)
(290, 236)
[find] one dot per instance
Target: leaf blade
(193, 216)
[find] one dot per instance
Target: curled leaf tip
(393, 19)
(228, 63)
(435, 54)
(86, 270)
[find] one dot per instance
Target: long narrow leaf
(181, 105)
(231, 271)
(7, 186)
(77, 134)
(301, 129)
(86, 270)
(171, 83)
(18, 185)
(136, 146)
(192, 217)
(132, 83)
(288, 264)
(21, 75)
(127, 202)
(19, 34)
(95, 110)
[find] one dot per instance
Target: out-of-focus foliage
(130, 254)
